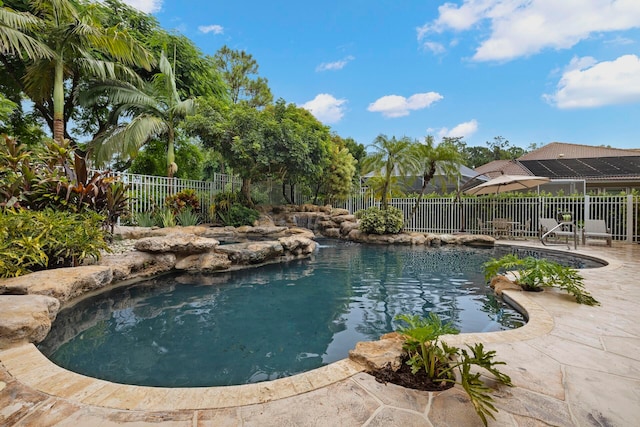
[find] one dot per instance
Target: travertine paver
(572, 366)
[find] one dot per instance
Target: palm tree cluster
(393, 161)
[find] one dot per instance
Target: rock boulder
(209, 261)
(137, 264)
(61, 283)
(181, 242)
(25, 318)
(375, 355)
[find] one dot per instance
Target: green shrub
(36, 240)
(381, 221)
(226, 207)
(187, 217)
(238, 215)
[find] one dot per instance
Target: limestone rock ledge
(26, 318)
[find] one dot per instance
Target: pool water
(274, 321)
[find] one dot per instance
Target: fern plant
(441, 362)
(534, 274)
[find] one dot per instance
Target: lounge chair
(596, 229)
(548, 224)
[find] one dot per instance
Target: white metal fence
(147, 192)
(448, 215)
(436, 215)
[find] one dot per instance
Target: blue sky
(531, 71)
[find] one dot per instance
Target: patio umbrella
(504, 183)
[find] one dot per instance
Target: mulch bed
(403, 377)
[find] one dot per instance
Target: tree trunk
(284, 193)
(58, 101)
(426, 178)
(171, 156)
(246, 191)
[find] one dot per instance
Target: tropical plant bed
(405, 378)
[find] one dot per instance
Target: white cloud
(215, 29)
(587, 84)
(434, 47)
(326, 108)
(147, 6)
(465, 130)
(399, 106)
(525, 27)
(332, 66)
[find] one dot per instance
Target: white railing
(448, 215)
(147, 192)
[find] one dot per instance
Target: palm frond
(119, 93)
(14, 40)
(126, 140)
(38, 80)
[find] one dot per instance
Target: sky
(530, 71)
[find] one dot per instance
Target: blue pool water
(273, 321)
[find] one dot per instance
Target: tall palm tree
(443, 158)
(392, 158)
(155, 110)
(80, 47)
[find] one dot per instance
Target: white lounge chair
(596, 229)
(548, 224)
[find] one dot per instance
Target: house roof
(500, 167)
(563, 150)
(591, 169)
(559, 160)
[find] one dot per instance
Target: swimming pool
(273, 321)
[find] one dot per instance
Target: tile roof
(562, 150)
(499, 167)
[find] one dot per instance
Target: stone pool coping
(32, 368)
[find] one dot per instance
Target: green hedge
(37, 240)
(381, 221)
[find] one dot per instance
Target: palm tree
(79, 46)
(391, 157)
(443, 158)
(155, 110)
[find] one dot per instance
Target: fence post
(630, 215)
(587, 213)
